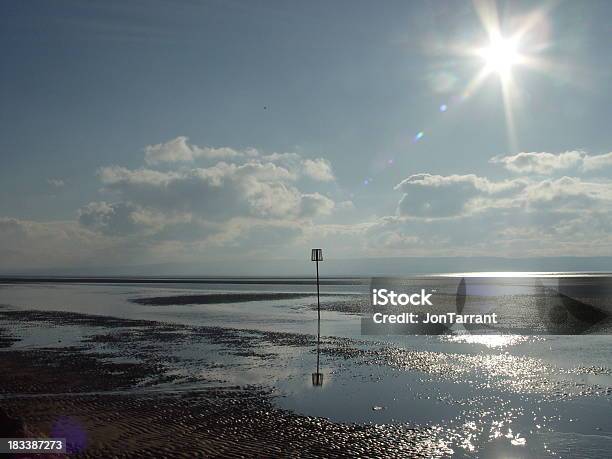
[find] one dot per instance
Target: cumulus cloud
(193, 200)
(543, 163)
(427, 195)
(218, 192)
(186, 202)
(318, 169)
(539, 163)
(314, 204)
(250, 184)
(179, 150)
(472, 215)
(437, 196)
(568, 192)
(595, 162)
(125, 218)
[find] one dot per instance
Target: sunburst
(502, 55)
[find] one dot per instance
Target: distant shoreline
(283, 280)
(179, 280)
(216, 298)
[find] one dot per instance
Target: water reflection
(317, 377)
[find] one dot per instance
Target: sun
(500, 56)
(513, 43)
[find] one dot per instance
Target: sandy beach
(106, 408)
(169, 371)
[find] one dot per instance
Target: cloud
(458, 215)
(539, 163)
(255, 185)
(318, 169)
(314, 204)
(596, 162)
(218, 192)
(28, 244)
(542, 163)
(568, 193)
(58, 183)
(436, 196)
(200, 204)
(125, 218)
(179, 150)
(188, 203)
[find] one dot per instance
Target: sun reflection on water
(490, 341)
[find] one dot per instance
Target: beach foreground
(107, 409)
(177, 374)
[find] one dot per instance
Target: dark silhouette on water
(317, 378)
(561, 314)
(460, 300)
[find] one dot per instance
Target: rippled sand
(143, 388)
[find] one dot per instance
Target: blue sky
(139, 132)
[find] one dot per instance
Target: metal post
(318, 317)
(318, 304)
(317, 378)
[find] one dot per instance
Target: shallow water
(490, 395)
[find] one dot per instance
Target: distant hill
(341, 267)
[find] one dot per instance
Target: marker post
(317, 256)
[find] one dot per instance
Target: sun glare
(500, 56)
(514, 43)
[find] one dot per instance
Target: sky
(135, 133)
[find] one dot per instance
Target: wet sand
(209, 423)
(106, 408)
(144, 388)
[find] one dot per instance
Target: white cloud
(568, 192)
(596, 162)
(186, 203)
(218, 192)
(179, 150)
(318, 169)
(314, 204)
(438, 196)
(260, 186)
(471, 215)
(206, 201)
(539, 163)
(542, 163)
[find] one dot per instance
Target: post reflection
(317, 377)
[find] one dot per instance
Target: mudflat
(107, 406)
